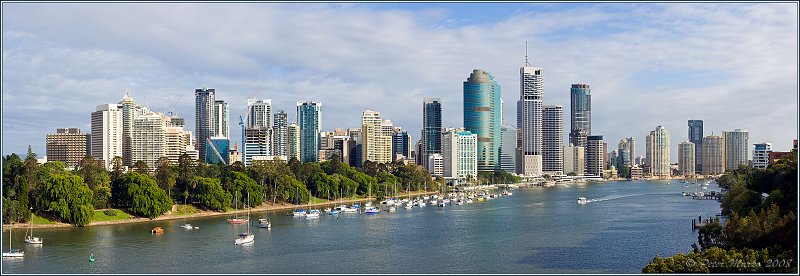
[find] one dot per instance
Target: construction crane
(243, 152)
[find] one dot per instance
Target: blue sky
(733, 65)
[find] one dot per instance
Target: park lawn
(187, 209)
(41, 220)
(100, 216)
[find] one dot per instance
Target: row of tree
(760, 234)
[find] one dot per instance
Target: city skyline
(652, 72)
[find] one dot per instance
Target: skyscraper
(760, 155)
(149, 139)
(529, 119)
(580, 114)
(68, 145)
(686, 160)
(736, 148)
(280, 134)
(574, 160)
(431, 128)
(401, 145)
(293, 141)
(107, 133)
(130, 111)
(713, 155)
(658, 152)
(256, 143)
(696, 137)
(376, 145)
(553, 139)
(222, 119)
(594, 155)
(458, 151)
(508, 149)
(258, 113)
(482, 117)
(626, 152)
(204, 118)
(309, 118)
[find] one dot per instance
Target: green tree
(68, 197)
(242, 185)
(186, 174)
(147, 198)
(210, 194)
(165, 175)
(141, 167)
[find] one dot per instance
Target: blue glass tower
(580, 114)
(217, 151)
(482, 117)
(431, 128)
(309, 118)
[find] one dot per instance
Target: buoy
(91, 258)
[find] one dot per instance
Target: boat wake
(612, 197)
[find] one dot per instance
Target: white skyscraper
(574, 160)
(107, 137)
(713, 155)
(686, 161)
(258, 113)
(460, 154)
(761, 155)
(376, 136)
(149, 143)
(736, 148)
(658, 152)
(221, 119)
(529, 119)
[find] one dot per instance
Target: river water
(537, 230)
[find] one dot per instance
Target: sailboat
(264, 223)
(247, 237)
(313, 213)
(12, 253)
(236, 219)
(297, 212)
(30, 238)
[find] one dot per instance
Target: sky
(732, 65)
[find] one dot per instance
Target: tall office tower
(107, 133)
(553, 139)
(376, 146)
(149, 139)
(482, 117)
(204, 118)
(256, 143)
(574, 159)
(309, 118)
(736, 144)
(658, 152)
(431, 129)
(760, 155)
(130, 111)
(280, 134)
(436, 164)
(401, 145)
(529, 119)
(580, 114)
(508, 149)
(696, 137)
(341, 146)
(68, 145)
(459, 148)
(686, 160)
(594, 155)
(258, 113)
(626, 152)
(355, 147)
(177, 141)
(221, 119)
(293, 141)
(418, 159)
(713, 155)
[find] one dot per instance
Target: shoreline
(269, 208)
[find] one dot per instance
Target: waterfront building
(574, 159)
(696, 137)
(309, 118)
(594, 155)
(611, 157)
(459, 151)
(221, 119)
(530, 112)
(436, 164)
(580, 114)
(149, 139)
(736, 144)
(259, 112)
(636, 172)
(606, 156)
(341, 146)
(401, 145)
(553, 139)
(626, 152)
(686, 160)
(217, 150)
(130, 111)
(713, 155)
(204, 118)
(482, 117)
(178, 141)
(657, 158)
(508, 149)
(293, 141)
(761, 155)
(376, 146)
(280, 132)
(431, 140)
(68, 145)
(107, 137)
(256, 143)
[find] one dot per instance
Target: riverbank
(267, 206)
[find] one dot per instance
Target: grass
(99, 215)
(41, 220)
(187, 209)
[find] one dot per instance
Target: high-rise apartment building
(459, 148)
(293, 141)
(482, 117)
(222, 119)
(686, 160)
(401, 144)
(107, 139)
(508, 149)
(204, 118)
(258, 113)
(130, 111)
(256, 143)
(580, 114)
(626, 152)
(594, 155)
(760, 155)
(376, 145)
(436, 164)
(574, 160)
(309, 118)
(713, 155)
(736, 148)
(149, 139)
(431, 128)
(280, 134)
(529, 120)
(696, 137)
(68, 145)
(177, 141)
(657, 158)
(553, 139)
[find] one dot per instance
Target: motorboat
(334, 212)
(264, 223)
(187, 226)
(409, 206)
(157, 230)
(328, 210)
(313, 213)
(244, 238)
(422, 204)
(582, 200)
(372, 210)
(299, 213)
(392, 209)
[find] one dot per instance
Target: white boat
(328, 210)
(368, 204)
(422, 204)
(246, 237)
(29, 237)
(469, 200)
(12, 253)
(426, 197)
(264, 223)
(459, 202)
(187, 226)
(446, 200)
(582, 200)
(409, 206)
(392, 209)
(372, 210)
(299, 213)
(314, 213)
(433, 202)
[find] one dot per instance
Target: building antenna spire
(526, 54)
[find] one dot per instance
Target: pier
(700, 222)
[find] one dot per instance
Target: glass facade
(696, 137)
(217, 150)
(309, 118)
(580, 114)
(431, 128)
(482, 117)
